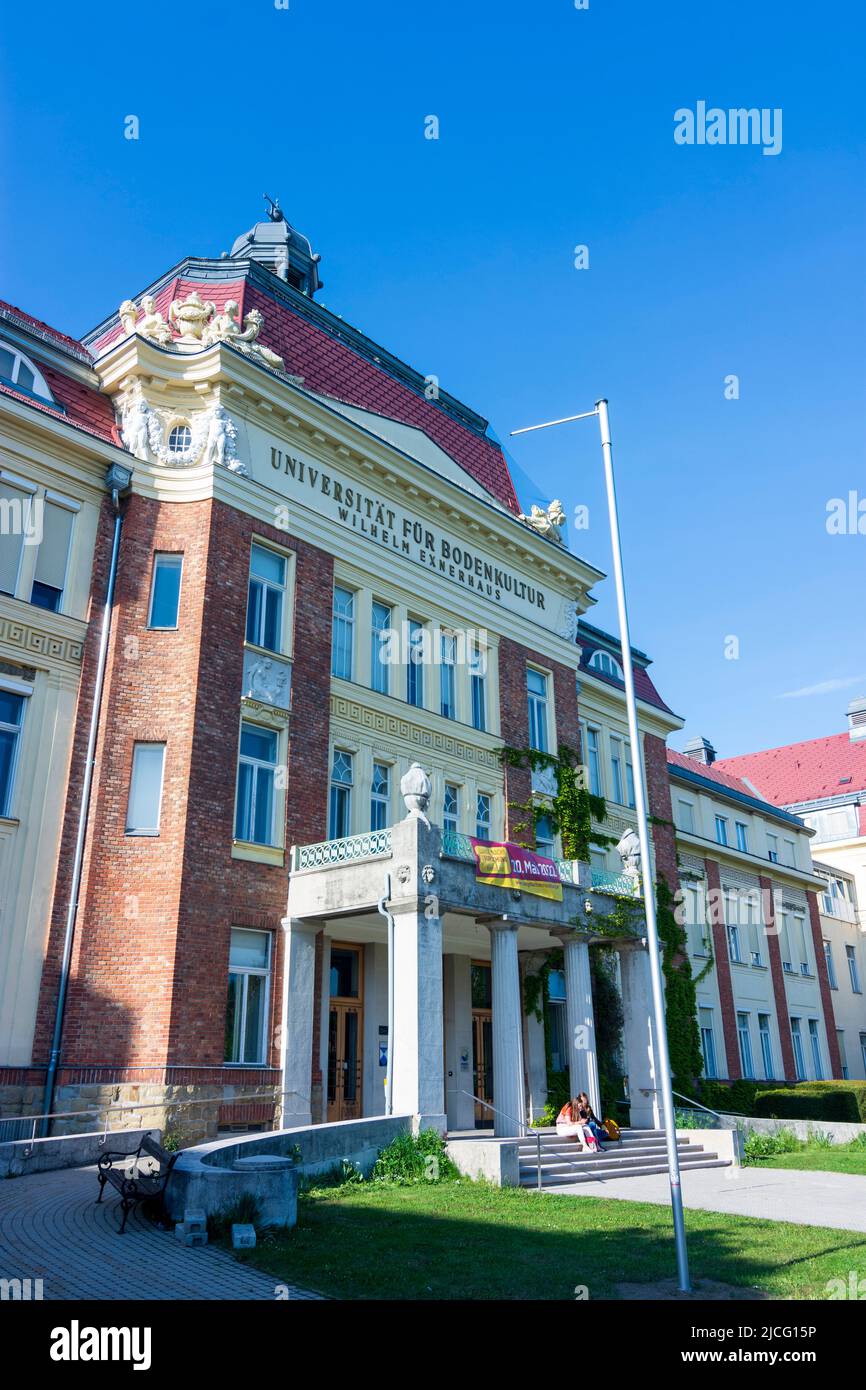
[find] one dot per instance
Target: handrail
(696, 1105)
(521, 1124)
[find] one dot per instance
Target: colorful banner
(509, 866)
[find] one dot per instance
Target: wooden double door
(346, 1033)
(482, 1042)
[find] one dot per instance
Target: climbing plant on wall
(681, 1005)
(571, 809)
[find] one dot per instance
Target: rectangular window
(799, 932)
(766, 1045)
(451, 808)
(415, 667)
(791, 853)
(593, 762)
(863, 1049)
(11, 722)
(708, 1043)
(447, 685)
(815, 1044)
(145, 789)
(340, 799)
(616, 765)
(732, 920)
(379, 666)
(247, 1011)
(831, 968)
(852, 969)
(343, 634)
(742, 836)
(686, 816)
(545, 839)
(380, 797)
(266, 598)
(629, 779)
(797, 1040)
(478, 686)
(745, 1040)
(536, 693)
(843, 1059)
(165, 590)
(18, 520)
(255, 815)
(773, 848)
(482, 817)
(721, 830)
(49, 580)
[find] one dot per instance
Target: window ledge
(259, 854)
(9, 822)
(141, 834)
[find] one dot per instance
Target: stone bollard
(193, 1229)
(243, 1237)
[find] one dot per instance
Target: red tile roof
(804, 771)
(82, 405)
(712, 772)
(61, 339)
(334, 368)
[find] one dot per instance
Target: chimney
(703, 751)
(857, 720)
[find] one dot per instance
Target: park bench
(138, 1183)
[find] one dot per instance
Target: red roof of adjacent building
(820, 767)
(76, 402)
(334, 367)
(712, 772)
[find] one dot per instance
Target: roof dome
(283, 250)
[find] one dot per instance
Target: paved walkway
(52, 1229)
(804, 1198)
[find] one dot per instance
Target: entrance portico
(448, 930)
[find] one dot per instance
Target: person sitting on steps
(575, 1120)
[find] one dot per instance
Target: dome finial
(275, 212)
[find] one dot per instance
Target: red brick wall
(723, 970)
(824, 983)
(514, 722)
(778, 977)
(659, 799)
(150, 965)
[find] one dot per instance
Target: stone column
(458, 1042)
(296, 1028)
(419, 1082)
(639, 1041)
(582, 1050)
(507, 1030)
(534, 1050)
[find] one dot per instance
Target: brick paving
(52, 1229)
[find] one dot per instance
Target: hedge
(816, 1100)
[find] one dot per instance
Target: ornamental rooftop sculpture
(547, 523)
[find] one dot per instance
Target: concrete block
(195, 1220)
(243, 1237)
(189, 1238)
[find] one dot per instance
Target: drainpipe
(389, 1075)
(117, 479)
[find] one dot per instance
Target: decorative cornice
(397, 727)
(37, 642)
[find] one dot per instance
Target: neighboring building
(845, 954)
(57, 441)
(765, 1009)
(301, 497)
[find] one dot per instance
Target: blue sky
(556, 130)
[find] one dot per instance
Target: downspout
(389, 1075)
(118, 480)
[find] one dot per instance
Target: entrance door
(345, 1033)
(482, 1042)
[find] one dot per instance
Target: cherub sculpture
(547, 523)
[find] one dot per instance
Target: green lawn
(838, 1160)
(464, 1240)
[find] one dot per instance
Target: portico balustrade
(445, 920)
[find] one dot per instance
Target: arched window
(606, 665)
(18, 370)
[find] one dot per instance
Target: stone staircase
(639, 1153)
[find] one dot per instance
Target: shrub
(815, 1100)
(245, 1211)
(784, 1141)
(415, 1158)
(858, 1143)
(738, 1098)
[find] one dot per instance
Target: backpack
(612, 1129)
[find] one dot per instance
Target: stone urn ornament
(629, 852)
(415, 788)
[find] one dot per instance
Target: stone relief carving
(568, 627)
(213, 436)
(415, 788)
(543, 780)
(547, 523)
(267, 680)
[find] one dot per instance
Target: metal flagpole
(663, 1066)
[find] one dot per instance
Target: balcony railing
(619, 885)
(375, 844)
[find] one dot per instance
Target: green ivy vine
(571, 810)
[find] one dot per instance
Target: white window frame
(267, 586)
(815, 1045)
(170, 559)
(415, 663)
(765, 1038)
(38, 378)
(145, 830)
(600, 659)
(478, 689)
(22, 690)
(853, 971)
(538, 708)
(722, 830)
(690, 807)
(479, 823)
(451, 822)
(447, 674)
(382, 799)
(341, 785)
(593, 760)
(830, 964)
(244, 971)
(744, 1040)
(345, 623)
(259, 766)
(741, 830)
(380, 670)
(797, 1046)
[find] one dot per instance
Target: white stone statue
(190, 317)
(135, 429)
(219, 446)
(569, 627)
(629, 852)
(547, 523)
(415, 788)
(128, 314)
(151, 324)
(224, 328)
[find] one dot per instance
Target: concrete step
(632, 1146)
(641, 1155)
(606, 1172)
